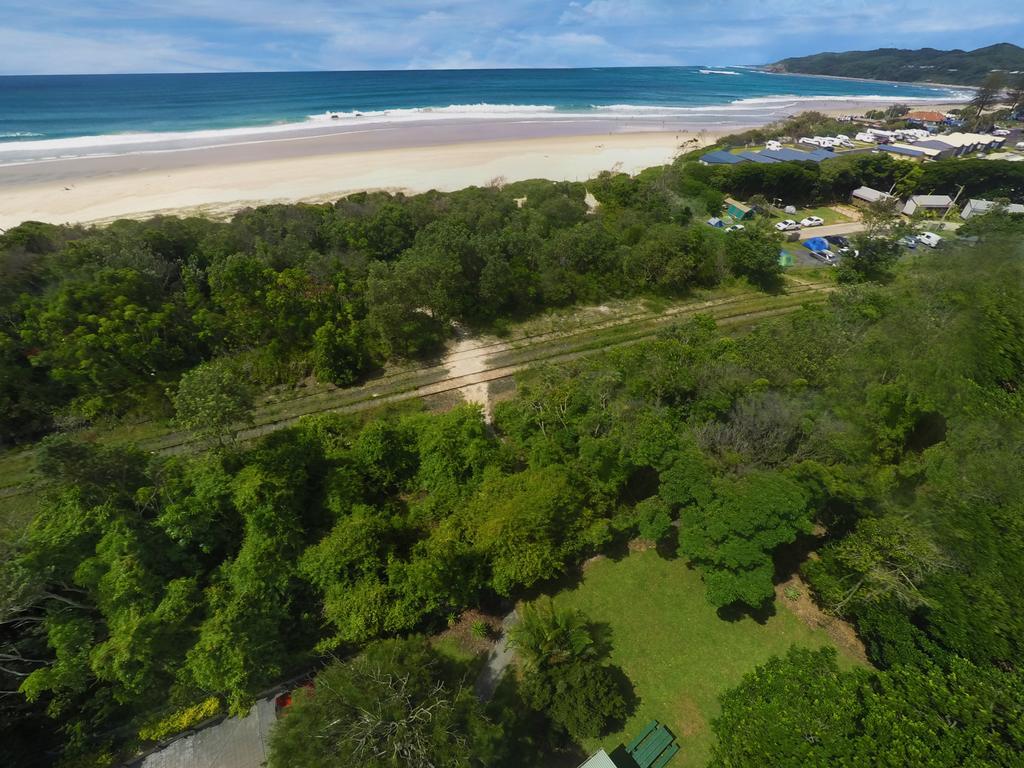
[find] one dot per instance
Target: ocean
(44, 117)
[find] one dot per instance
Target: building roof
(901, 150)
(869, 194)
(932, 201)
(926, 151)
(757, 157)
(938, 144)
(721, 157)
(960, 139)
(925, 116)
(787, 154)
(738, 205)
(599, 759)
(984, 206)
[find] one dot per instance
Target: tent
(816, 244)
(716, 222)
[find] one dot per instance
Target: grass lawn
(679, 655)
(828, 215)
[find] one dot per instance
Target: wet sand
(322, 163)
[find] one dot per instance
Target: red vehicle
(283, 701)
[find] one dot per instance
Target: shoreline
(317, 166)
(219, 189)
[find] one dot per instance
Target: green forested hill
(924, 65)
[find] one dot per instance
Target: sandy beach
(321, 165)
(215, 182)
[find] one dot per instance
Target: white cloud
(29, 52)
(190, 35)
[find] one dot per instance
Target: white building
(867, 195)
(922, 203)
(978, 207)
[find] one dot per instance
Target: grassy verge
(678, 653)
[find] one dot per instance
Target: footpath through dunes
(469, 367)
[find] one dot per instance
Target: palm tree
(546, 636)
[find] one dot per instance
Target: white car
(930, 239)
(1020, 145)
(775, 145)
(812, 221)
(1000, 132)
(787, 224)
(734, 228)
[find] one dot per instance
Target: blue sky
(58, 36)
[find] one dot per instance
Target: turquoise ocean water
(63, 113)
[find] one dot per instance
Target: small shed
(739, 211)
(979, 207)
(922, 203)
(866, 195)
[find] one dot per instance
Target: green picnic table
(643, 735)
(654, 747)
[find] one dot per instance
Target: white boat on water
(717, 72)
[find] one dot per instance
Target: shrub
(180, 721)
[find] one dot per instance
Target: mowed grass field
(675, 649)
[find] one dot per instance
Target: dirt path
(796, 595)
(465, 358)
(471, 364)
(498, 660)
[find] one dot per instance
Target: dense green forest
(103, 322)
(890, 417)
(913, 66)
(876, 442)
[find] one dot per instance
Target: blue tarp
(816, 244)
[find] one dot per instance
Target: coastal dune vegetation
(873, 444)
(104, 322)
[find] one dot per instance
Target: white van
(930, 239)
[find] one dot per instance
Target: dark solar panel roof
(722, 157)
(787, 154)
(757, 157)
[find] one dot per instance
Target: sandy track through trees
(471, 364)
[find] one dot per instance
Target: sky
(107, 36)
